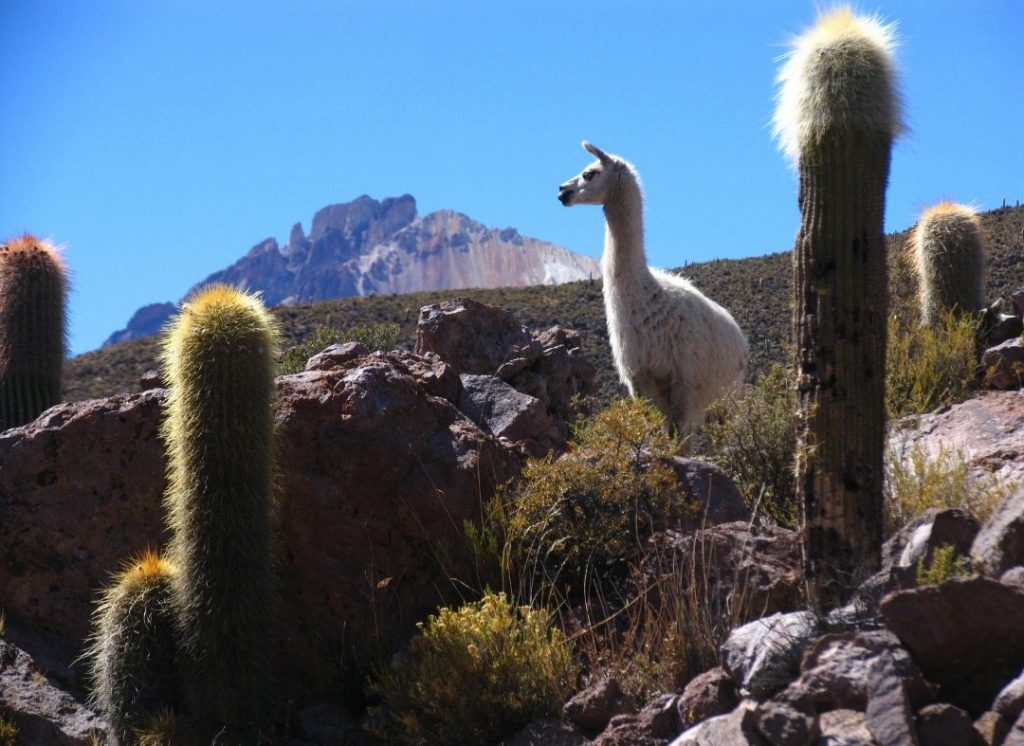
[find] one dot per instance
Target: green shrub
(574, 524)
(751, 435)
(473, 675)
(928, 367)
(378, 337)
(945, 564)
(916, 481)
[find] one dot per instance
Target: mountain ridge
(367, 247)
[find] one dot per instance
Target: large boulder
(377, 475)
(964, 635)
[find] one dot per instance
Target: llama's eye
(588, 175)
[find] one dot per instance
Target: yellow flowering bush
(473, 675)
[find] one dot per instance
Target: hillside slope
(756, 290)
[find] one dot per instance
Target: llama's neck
(624, 260)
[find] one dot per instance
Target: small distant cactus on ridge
(33, 287)
(949, 260)
(219, 357)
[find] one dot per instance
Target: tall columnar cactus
(838, 113)
(133, 647)
(33, 286)
(949, 260)
(218, 355)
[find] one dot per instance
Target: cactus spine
(133, 648)
(33, 286)
(837, 115)
(949, 261)
(218, 355)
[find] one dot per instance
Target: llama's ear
(595, 151)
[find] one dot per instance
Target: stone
(337, 354)
(472, 336)
(1001, 327)
(783, 725)
(763, 656)
(999, 544)
(375, 473)
(1004, 365)
(548, 732)
(593, 707)
(888, 716)
(1015, 736)
(656, 722)
(734, 571)
(709, 487)
(992, 728)
(504, 412)
(945, 725)
(986, 431)
(964, 634)
(738, 728)
(1013, 576)
(838, 668)
(45, 713)
(707, 695)
(844, 728)
(1010, 701)
(328, 724)
(151, 379)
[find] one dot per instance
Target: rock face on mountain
(365, 247)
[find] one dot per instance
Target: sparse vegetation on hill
(757, 291)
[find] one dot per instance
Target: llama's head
(595, 184)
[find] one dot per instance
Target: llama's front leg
(681, 415)
(656, 390)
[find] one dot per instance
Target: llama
(671, 344)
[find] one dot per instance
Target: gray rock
(336, 355)
(1010, 701)
(889, 716)
(656, 722)
(838, 669)
(506, 413)
(763, 656)
(708, 486)
(1000, 543)
(44, 712)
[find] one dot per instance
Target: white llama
(671, 343)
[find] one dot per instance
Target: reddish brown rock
(707, 695)
(992, 728)
(376, 473)
(945, 725)
(592, 708)
(548, 732)
(965, 635)
(1004, 364)
(733, 571)
(654, 725)
(472, 336)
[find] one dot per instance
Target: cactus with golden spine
(219, 359)
(838, 113)
(33, 288)
(133, 650)
(949, 261)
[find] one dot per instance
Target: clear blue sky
(160, 140)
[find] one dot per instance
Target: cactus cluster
(949, 261)
(33, 288)
(212, 597)
(838, 113)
